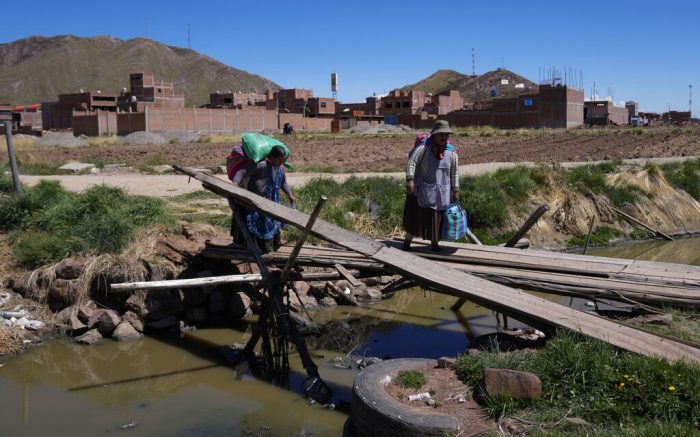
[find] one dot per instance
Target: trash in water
(129, 425)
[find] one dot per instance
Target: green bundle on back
(257, 146)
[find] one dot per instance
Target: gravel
(59, 140)
(181, 137)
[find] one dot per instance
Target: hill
(37, 69)
(475, 88)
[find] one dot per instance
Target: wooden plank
(346, 274)
(449, 281)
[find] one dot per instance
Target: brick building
(605, 112)
(550, 107)
(238, 100)
(61, 114)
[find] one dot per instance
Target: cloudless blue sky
(647, 51)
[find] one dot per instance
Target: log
(530, 222)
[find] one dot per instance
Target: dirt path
(173, 185)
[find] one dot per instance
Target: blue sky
(642, 50)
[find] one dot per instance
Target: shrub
(517, 182)
(484, 201)
(684, 175)
(411, 379)
(600, 236)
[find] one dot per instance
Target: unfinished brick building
(553, 106)
(605, 112)
(230, 100)
(62, 114)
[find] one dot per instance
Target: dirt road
(173, 185)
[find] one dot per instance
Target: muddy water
(681, 251)
(161, 386)
(173, 387)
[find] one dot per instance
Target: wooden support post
(530, 222)
(649, 228)
(588, 237)
(302, 239)
(315, 388)
(461, 301)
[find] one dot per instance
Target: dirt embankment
(380, 152)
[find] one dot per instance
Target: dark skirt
(421, 222)
(264, 246)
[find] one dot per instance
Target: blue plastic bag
(454, 225)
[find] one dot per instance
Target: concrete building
(399, 102)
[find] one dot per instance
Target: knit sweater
(416, 163)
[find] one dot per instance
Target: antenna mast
(473, 61)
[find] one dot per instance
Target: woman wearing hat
(432, 184)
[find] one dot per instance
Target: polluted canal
(184, 386)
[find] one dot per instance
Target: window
(388, 105)
(406, 104)
(323, 104)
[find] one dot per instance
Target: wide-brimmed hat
(441, 127)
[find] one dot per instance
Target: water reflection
(680, 251)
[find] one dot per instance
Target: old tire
(376, 413)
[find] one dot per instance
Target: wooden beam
(347, 275)
(530, 222)
(189, 283)
(449, 281)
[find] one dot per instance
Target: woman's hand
(454, 198)
(410, 186)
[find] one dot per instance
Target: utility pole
(690, 101)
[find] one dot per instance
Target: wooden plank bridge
(478, 274)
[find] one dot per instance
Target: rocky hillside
(37, 69)
(475, 88)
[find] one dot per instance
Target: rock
(70, 268)
(513, 383)
(162, 323)
(327, 302)
(197, 315)
(370, 295)
(124, 332)
(445, 362)
(86, 310)
(317, 289)
(217, 302)
(350, 216)
(301, 301)
(60, 291)
(75, 326)
(137, 303)
(108, 321)
(374, 210)
(341, 295)
(238, 305)
(91, 337)
(301, 287)
(134, 320)
(75, 167)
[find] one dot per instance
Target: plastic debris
(129, 425)
(419, 396)
(4, 298)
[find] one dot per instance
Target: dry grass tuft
(10, 340)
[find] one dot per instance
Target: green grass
(355, 195)
(593, 178)
(32, 168)
(101, 219)
(484, 200)
(599, 237)
(589, 379)
(411, 379)
(194, 195)
(684, 176)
